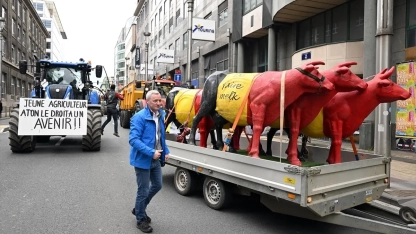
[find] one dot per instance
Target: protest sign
(52, 117)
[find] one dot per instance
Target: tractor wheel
(19, 144)
(126, 119)
(138, 106)
(92, 141)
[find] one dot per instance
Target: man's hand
(167, 157)
(157, 154)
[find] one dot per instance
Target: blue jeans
(145, 192)
(111, 112)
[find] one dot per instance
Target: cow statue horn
(347, 64)
(386, 74)
(315, 63)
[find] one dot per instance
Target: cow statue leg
(219, 124)
(336, 142)
(294, 117)
(203, 132)
(213, 139)
(270, 136)
(258, 115)
(235, 140)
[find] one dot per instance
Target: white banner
(52, 117)
(203, 29)
(165, 56)
(143, 69)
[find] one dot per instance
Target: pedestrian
(148, 154)
(1, 107)
(112, 98)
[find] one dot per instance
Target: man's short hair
(150, 93)
(113, 87)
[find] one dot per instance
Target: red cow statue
(344, 113)
(263, 107)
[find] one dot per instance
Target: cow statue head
(312, 80)
(386, 90)
(343, 79)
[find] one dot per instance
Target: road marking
(60, 141)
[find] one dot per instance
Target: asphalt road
(60, 189)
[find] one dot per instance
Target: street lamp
(2, 23)
(146, 35)
(188, 67)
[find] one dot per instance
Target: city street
(60, 189)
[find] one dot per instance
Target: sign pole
(188, 65)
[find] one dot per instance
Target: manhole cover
(402, 193)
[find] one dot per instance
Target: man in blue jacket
(148, 153)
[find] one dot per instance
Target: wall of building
(24, 36)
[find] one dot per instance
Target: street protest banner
(405, 112)
(52, 117)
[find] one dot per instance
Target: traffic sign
(177, 77)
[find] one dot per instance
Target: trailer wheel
(126, 119)
(19, 144)
(408, 214)
(216, 194)
(185, 181)
(92, 141)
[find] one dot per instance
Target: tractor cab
(63, 80)
(163, 86)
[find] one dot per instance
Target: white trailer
(321, 193)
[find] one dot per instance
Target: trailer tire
(126, 119)
(406, 214)
(217, 194)
(19, 144)
(185, 181)
(92, 141)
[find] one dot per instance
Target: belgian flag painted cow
(223, 95)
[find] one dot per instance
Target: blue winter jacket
(142, 138)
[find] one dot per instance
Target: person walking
(148, 153)
(112, 98)
(1, 107)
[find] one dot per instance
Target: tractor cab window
(63, 76)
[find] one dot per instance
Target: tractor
(63, 82)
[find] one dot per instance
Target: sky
(92, 28)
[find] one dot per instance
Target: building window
(411, 23)
(170, 46)
(12, 87)
(18, 90)
(47, 23)
(250, 5)
(4, 14)
(23, 89)
(223, 17)
(23, 38)
(13, 54)
(24, 15)
(177, 46)
(170, 24)
(263, 54)
(48, 45)
(13, 26)
(185, 40)
(335, 25)
(38, 6)
(3, 85)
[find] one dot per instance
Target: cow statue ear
(384, 83)
(309, 68)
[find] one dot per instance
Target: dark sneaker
(116, 134)
(144, 226)
(148, 219)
